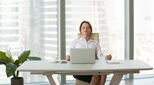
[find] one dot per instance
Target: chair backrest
(93, 36)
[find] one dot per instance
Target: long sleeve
(99, 53)
(72, 45)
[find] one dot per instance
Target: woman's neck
(86, 37)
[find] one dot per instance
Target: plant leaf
(9, 55)
(10, 69)
(1, 62)
(23, 56)
(34, 58)
(17, 63)
(3, 57)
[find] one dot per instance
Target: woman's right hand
(108, 57)
(68, 57)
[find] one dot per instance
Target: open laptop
(82, 55)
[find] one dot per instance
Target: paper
(112, 62)
(61, 61)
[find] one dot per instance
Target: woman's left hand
(108, 57)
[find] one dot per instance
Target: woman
(85, 42)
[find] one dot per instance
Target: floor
(137, 81)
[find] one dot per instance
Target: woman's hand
(108, 57)
(68, 57)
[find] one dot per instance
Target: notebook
(82, 55)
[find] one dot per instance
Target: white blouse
(82, 43)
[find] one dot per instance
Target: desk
(100, 67)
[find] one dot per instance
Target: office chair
(94, 36)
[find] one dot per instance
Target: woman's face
(85, 29)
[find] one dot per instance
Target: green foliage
(34, 58)
(12, 65)
(1, 62)
(3, 57)
(23, 56)
(10, 69)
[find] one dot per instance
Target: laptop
(82, 55)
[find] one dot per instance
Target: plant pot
(17, 81)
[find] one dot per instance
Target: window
(143, 32)
(43, 30)
(9, 30)
(28, 24)
(106, 17)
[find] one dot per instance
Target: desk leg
(53, 81)
(116, 79)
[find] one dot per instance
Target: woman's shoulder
(75, 40)
(95, 41)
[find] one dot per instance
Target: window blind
(28, 24)
(106, 17)
(44, 25)
(9, 30)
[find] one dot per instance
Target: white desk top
(99, 66)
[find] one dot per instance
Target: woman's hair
(87, 23)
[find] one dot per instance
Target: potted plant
(12, 65)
